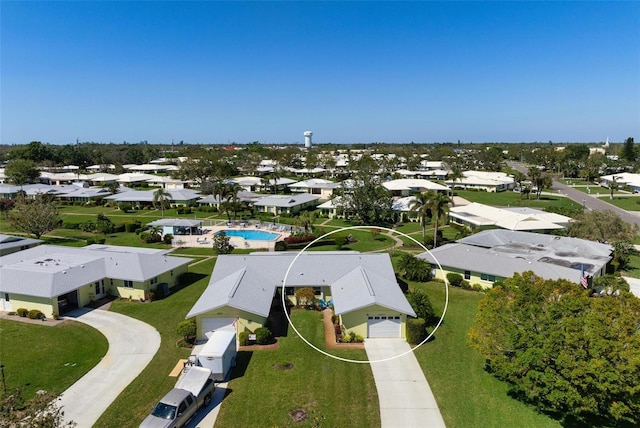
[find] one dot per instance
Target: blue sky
(352, 72)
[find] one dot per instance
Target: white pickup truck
(193, 391)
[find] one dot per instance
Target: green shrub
(131, 227)
(243, 338)
(358, 339)
(416, 330)
(477, 287)
(91, 241)
(35, 314)
(263, 335)
(167, 238)
(347, 338)
(281, 246)
(187, 329)
(70, 225)
(23, 312)
(125, 207)
(455, 279)
(465, 284)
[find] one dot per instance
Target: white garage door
(384, 326)
(212, 324)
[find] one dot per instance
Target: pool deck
(205, 239)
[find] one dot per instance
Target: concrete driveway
(403, 392)
(132, 345)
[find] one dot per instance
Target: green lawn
(47, 357)
(628, 203)
(513, 199)
(339, 394)
(467, 395)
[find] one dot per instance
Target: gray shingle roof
(248, 282)
(48, 270)
(503, 252)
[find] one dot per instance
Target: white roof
(413, 184)
(317, 183)
(285, 200)
(248, 282)
(508, 218)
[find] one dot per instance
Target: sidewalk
(403, 392)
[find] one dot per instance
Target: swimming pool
(251, 235)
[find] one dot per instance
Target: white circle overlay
(286, 275)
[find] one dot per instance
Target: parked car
(193, 391)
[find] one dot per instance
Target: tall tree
(628, 150)
(439, 209)
(21, 171)
(422, 205)
(162, 197)
(606, 227)
(37, 216)
(568, 354)
(368, 201)
(519, 178)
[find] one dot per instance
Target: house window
(153, 280)
(110, 281)
(97, 284)
(172, 272)
(128, 284)
(6, 297)
(487, 277)
(317, 291)
(289, 291)
(467, 274)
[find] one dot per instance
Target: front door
(5, 302)
(99, 289)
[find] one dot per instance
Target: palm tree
(456, 175)
(422, 205)
(613, 185)
(439, 209)
(534, 175)
(231, 193)
(519, 177)
(163, 197)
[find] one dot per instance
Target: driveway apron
(132, 345)
(403, 392)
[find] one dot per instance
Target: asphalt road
(589, 201)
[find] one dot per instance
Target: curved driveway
(132, 345)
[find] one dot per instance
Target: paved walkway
(404, 394)
(132, 345)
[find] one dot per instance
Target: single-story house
(83, 194)
(483, 180)
(492, 255)
(476, 216)
(291, 204)
(242, 196)
(56, 279)
(410, 186)
(315, 186)
(11, 244)
(623, 179)
(432, 174)
(178, 197)
(249, 184)
(178, 226)
(245, 289)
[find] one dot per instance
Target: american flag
(583, 279)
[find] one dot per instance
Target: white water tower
(307, 139)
